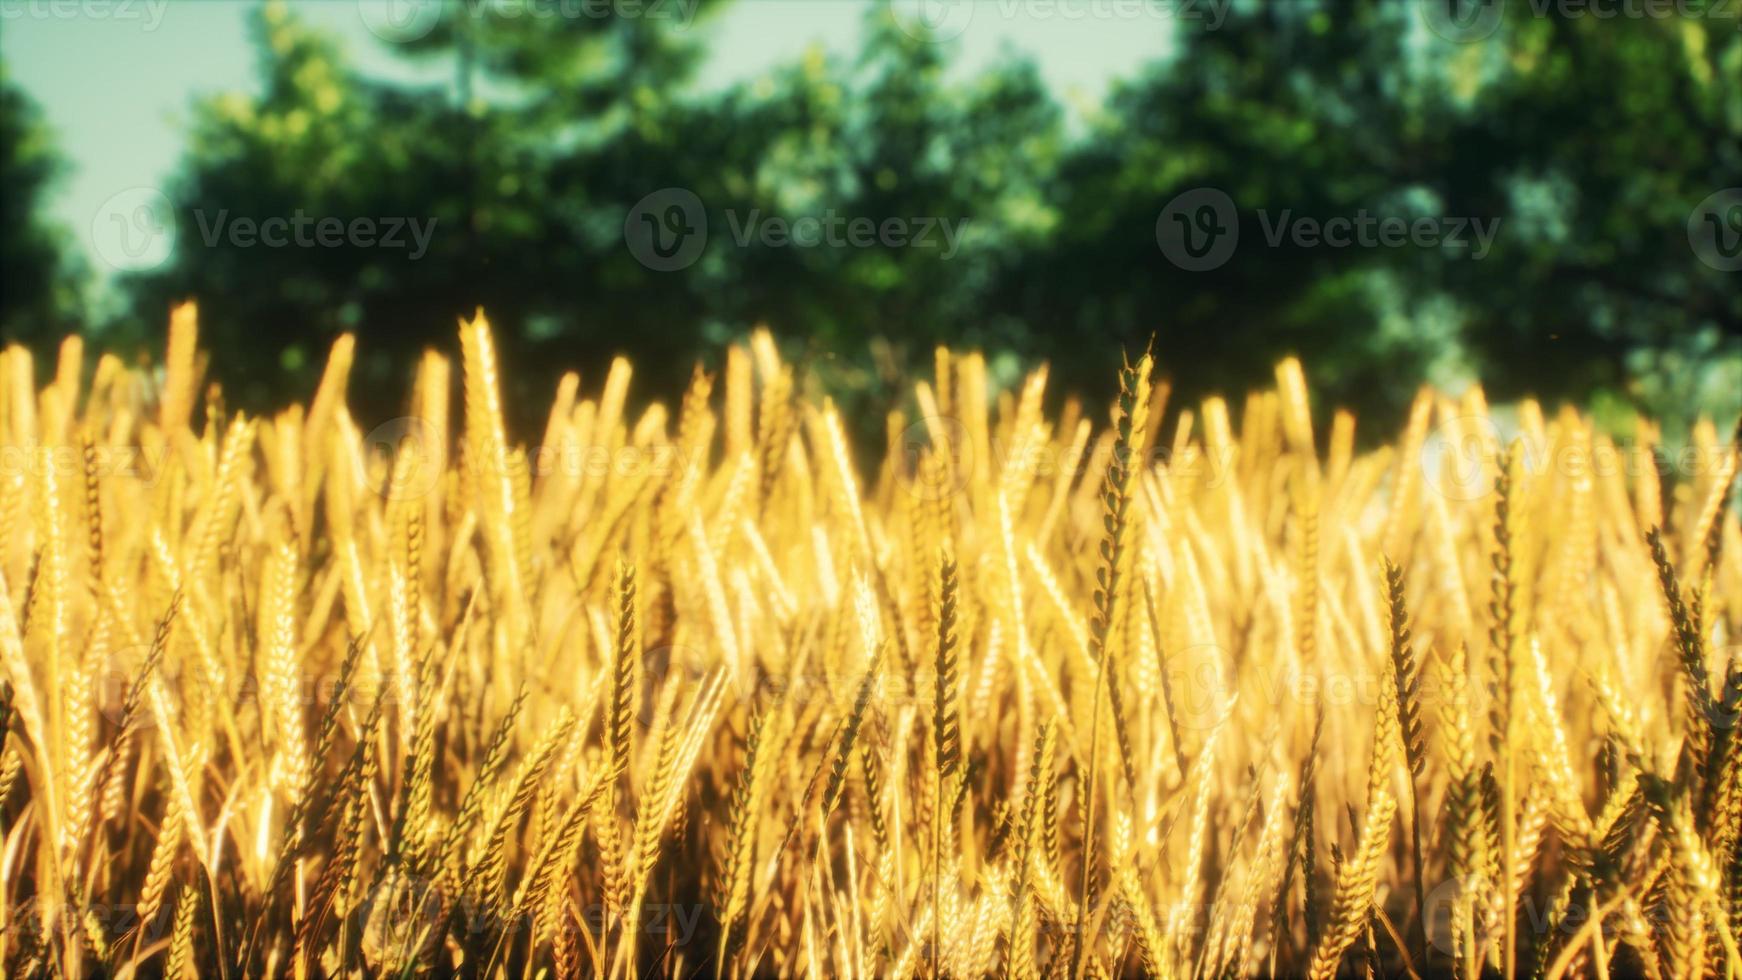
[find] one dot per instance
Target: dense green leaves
(38, 289)
(1582, 145)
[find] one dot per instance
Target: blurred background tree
(1589, 140)
(525, 162)
(39, 278)
(1597, 143)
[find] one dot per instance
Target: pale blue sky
(114, 77)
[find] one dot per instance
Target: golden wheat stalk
(1358, 878)
(321, 713)
(1116, 497)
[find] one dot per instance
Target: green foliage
(1597, 140)
(38, 282)
(1589, 141)
(522, 223)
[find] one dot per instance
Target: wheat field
(692, 691)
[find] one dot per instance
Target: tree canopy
(1585, 146)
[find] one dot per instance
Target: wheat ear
(1406, 680)
(1463, 802)
(946, 735)
(1358, 876)
(181, 943)
(1301, 844)
(849, 735)
(1116, 498)
(741, 821)
(1700, 709)
(1503, 637)
(1020, 962)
